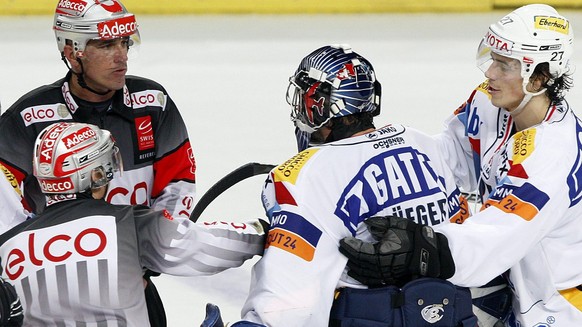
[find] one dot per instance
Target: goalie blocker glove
(405, 250)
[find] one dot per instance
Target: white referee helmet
(74, 157)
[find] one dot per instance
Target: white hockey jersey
(531, 221)
(324, 194)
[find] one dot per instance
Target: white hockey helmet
(67, 154)
(532, 34)
(84, 20)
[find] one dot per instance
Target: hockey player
(80, 261)
(524, 142)
(329, 191)
(12, 211)
(94, 39)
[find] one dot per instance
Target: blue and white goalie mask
(332, 81)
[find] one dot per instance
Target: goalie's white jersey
(531, 222)
(324, 194)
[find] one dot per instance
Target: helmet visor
(101, 175)
(111, 48)
(484, 59)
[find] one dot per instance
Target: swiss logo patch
(145, 133)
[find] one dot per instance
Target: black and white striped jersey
(80, 263)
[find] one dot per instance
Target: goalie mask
(66, 155)
(332, 81)
(83, 20)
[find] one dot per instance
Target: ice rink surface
(228, 75)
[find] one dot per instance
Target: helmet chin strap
(81, 80)
(526, 98)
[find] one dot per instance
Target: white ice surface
(228, 75)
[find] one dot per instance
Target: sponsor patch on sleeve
(294, 234)
(45, 113)
(289, 170)
(147, 98)
(11, 179)
(523, 145)
(525, 201)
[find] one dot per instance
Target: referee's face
(105, 63)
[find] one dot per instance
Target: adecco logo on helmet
(75, 5)
(120, 27)
(78, 137)
(498, 43)
(552, 24)
(56, 185)
(49, 141)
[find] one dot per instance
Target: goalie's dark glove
(405, 250)
(11, 313)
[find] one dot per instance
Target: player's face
(505, 82)
(105, 64)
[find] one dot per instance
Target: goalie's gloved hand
(405, 250)
(11, 313)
